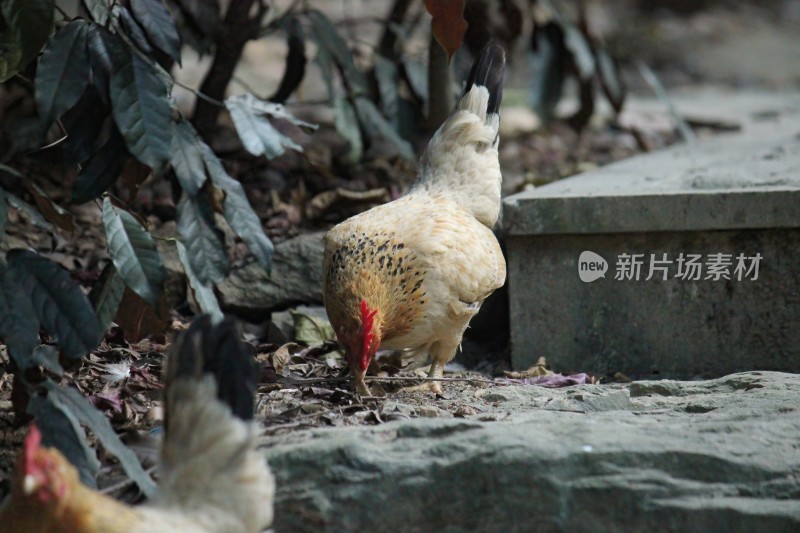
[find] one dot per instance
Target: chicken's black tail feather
(487, 71)
(216, 349)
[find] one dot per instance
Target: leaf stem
(200, 95)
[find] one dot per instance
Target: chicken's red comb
(32, 442)
(367, 335)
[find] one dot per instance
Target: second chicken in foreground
(411, 274)
(212, 478)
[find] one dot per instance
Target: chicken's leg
(440, 354)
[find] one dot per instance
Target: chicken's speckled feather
(427, 260)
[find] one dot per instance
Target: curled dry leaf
(537, 370)
(282, 356)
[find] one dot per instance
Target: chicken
(212, 478)
(410, 274)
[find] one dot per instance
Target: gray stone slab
(747, 180)
(719, 455)
(734, 194)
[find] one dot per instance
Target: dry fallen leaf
(448, 24)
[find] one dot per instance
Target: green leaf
(132, 28)
(187, 159)
(29, 23)
(310, 329)
(376, 126)
(62, 430)
(19, 326)
(387, 77)
(157, 22)
(347, 124)
(106, 296)
(101, 171)
(71, 401)
(327, 37)
(59, 302)
(100, 42)
(202, 238)
(548, 72)
(141, 109)
(581, 51)
(84, 123)
(238, 211)
(99, 10)
(63, 72)
(203, 294)
(46, 355)
(133, 253)
(204, 14)
(258, 136)
(610, 79)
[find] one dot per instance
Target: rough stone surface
(733, 194)
(296, 276)
(720, 455)
(746, 180)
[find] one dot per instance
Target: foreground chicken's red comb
(32, 442)
(367, 335)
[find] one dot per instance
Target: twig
(62, 12)
(404, 378)
(247, 87)
(310, 381)
(124, 483)
(199, 94)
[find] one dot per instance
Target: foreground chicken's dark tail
(209, 458)
(215, 350)
(487, 71)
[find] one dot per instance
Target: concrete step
(700, 246)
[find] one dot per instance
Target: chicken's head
(361, 343)
(44, 470)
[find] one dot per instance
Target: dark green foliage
(102, 170)
(134, 253)
(186, 157)
(202, 238)
(73, 405)
(61, 307)
(54, 421)
(160, 28)
(141, 109)
(106, 295)
(28, 25)
(19, 325)
(565, 50)
(63, 72)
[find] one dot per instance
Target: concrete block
(735, 195)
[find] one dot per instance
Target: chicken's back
(461, 159)
(422, 260)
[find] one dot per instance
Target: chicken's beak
(361, 386)
(30, 484)
(360, 375)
